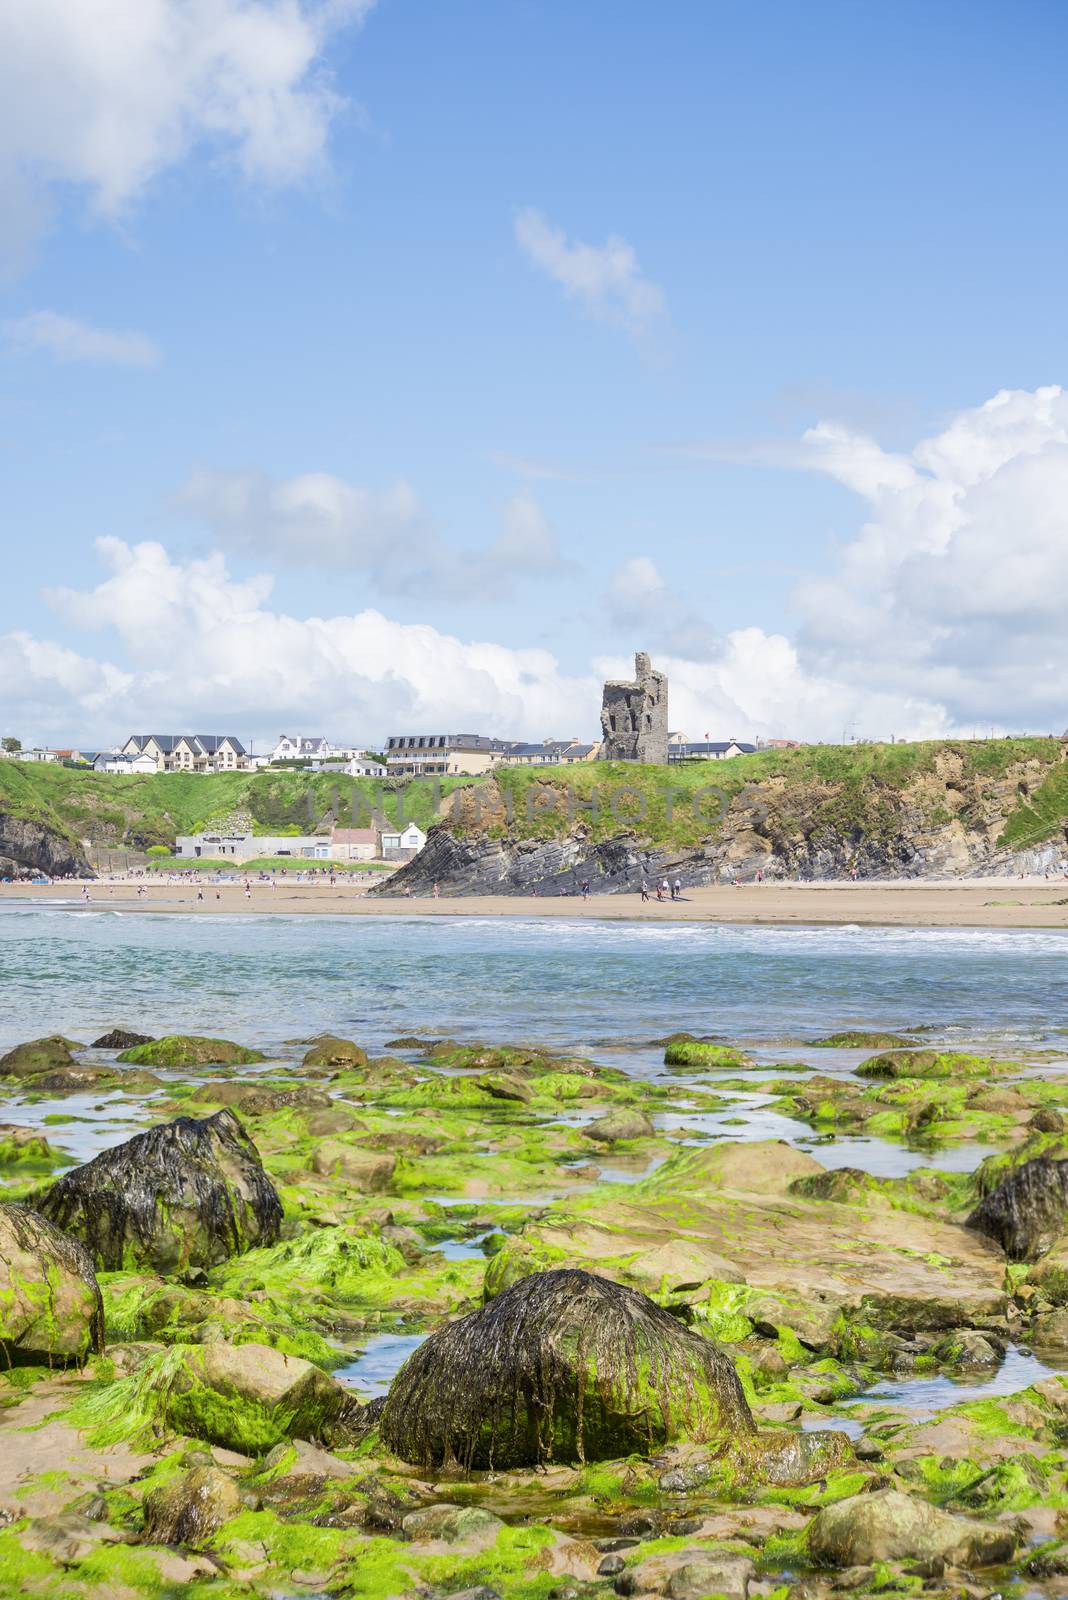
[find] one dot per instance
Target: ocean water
(573, 984)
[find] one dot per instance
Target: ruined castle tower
(634, 716)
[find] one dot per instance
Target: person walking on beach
(585, 888)
(677, 890)
(659, 890)
(645, 890)
(437, 891)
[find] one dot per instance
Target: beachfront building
(302, 747)
(354, 764)
(218, 845)
(550, 753)
(721, 750)
(355, 844)
(418, 755)
(403, 842)
(29, 755)
(188, 752)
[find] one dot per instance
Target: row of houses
(384, 841)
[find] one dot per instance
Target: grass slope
(842, 787)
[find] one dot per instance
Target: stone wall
(634, 716)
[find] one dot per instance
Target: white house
(129, 766)
(403, 842)
(356, 765)
(238, 847)
(353, 844)
(717, 750)
(298, 747)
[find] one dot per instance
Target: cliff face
(945, 822)
(29, 847)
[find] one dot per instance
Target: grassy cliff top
(858, 785)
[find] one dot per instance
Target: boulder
(622, 1124)
(50, 1304)
(190, 1050)
(25, 1147)
(766, 1166)
(702, 1053)
(332, 1052)
(453, 1524)
(37, 1055)
(861, 1039)
(187, 1193)
(891, 1526)
(121, 1039)
(246, 1397)
(1027, 1211)
(562, 1366)
(189, 1509)
(705, 1573)
(369, 1171)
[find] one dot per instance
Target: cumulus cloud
(634, 592)
(605, 279)
(106, 95)
(200, 647)
(67, 339)
(319, 519)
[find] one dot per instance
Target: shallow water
(569, 983)
(374, 1369)
(928, 1395)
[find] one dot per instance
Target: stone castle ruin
(634, 716)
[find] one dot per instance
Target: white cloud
(200, 647)
(106, 95)
(69, 340)
(634, 593)
(606, 280)
(319, 519)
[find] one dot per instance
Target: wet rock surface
(1028, 1212)
(50, 1303)
(189, 1193)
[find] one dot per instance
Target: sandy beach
(976, 903)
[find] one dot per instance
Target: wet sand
(976, 903)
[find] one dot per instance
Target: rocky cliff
(30, 847)
(945, 820)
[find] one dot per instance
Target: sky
(395, 366)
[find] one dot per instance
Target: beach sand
(975, 903)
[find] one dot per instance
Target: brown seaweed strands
(563, 1366)
(191, 1192)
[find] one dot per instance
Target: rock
(121, 1039)
(860, 1039)
(38, 1055)
(1047, 1120)
(304, 1468)
(50, 1302)
(453, 1524)
(1049, 1331)
(246, 1397)
(22, 1146)
(190, 1050)
(679, 1264)
(969, 1351)
(189, 1509)
(920, 1064)
(891, 1526)
(623, 1124)
(67, 1538)
(562, 1366)
(368, 1171)
(788, 1460)
(766, 1166)
(1027, 1210)
(332, 1052)
(703, 1053)
(505, 1086)
(704, 1575)
(186, 1193)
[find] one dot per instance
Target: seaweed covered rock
(622, 1124)
(191, 1508)
(50, 1304)
(891, 1526)
(187, 1193)
(190, 1050)
(703, 1053)
(245, 1397)
(333, 1052)
(861, 1039)
(121, 1039)
(563, 1366)
(1027, 1211)
(35, 1056)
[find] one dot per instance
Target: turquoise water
(568, 983)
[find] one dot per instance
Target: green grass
(843, 789)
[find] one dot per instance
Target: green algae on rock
(190, 1050)
(27, 1060)
(190, 1508)
(703, 1053)
(245, 1397)
(185, 1193)
(563, 1366)
(861, 1039)
(929, 1064)
(50, 1303)
(889, 1525)
(331, 1051)
(1028, 1211)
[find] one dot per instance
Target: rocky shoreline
(648, 1357)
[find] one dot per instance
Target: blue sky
(510, 336)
